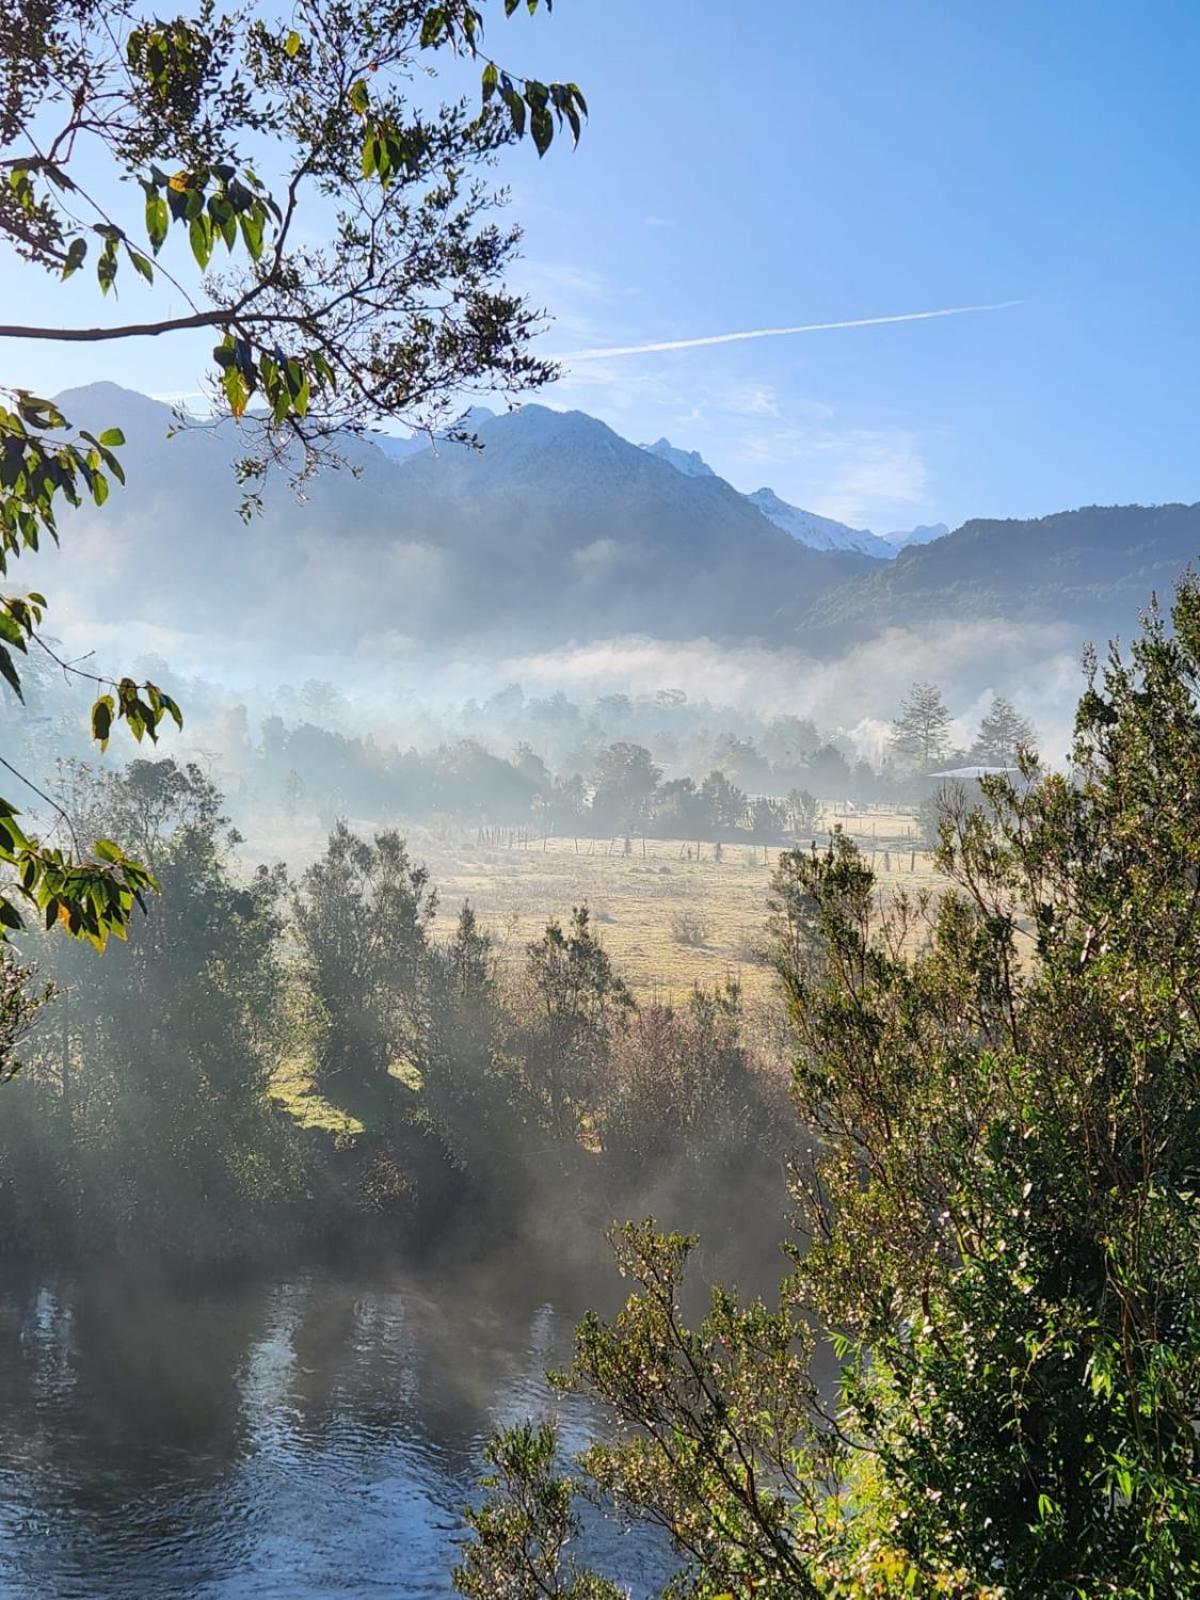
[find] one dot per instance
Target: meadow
(672, 912)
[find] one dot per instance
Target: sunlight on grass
(292, 1088)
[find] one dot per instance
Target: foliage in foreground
(399, 310)
(1000, 1218)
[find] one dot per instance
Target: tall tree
(626, 781)
(362, 916)
(362, 280)
(146, 1102)
(1003, 734)
(921, 731)
(574, 999)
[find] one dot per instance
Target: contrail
(774, 333)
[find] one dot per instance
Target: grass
(640, 900)
(292, 1087)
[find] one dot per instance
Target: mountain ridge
(559, 532)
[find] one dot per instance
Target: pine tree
(1002, 733)
(922, 730)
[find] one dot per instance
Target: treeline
(274, 1065)
(622, 791)
(620, 770)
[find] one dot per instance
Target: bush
(690, 928)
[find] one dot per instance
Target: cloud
(753, 400)
(606, 352)
(856, 474)
(854, 694)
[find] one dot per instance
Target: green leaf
(76, 253)
(541, 126)
(236, 391)
(9, 672)
(251, 224)
(292, 43)
(111, 438)
(200, 237)
(433, 27)
(359, 98)
(516, 110)
(106, 267)
(157, 220)
(140, 264)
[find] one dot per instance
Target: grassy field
(670, 913)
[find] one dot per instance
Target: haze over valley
(555, 553)
(600, 805)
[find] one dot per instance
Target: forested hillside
(1092, 569)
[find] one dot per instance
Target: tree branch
(134, 330)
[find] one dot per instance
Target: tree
(626, 781)
(464, 1085)
(802, 811)
(922, 730)
(722, 803)
(999, 1204)
(685, 1095)
(574, 1000)
(1003, 734)
(363, 280)
(145, 1106)
(362, 916)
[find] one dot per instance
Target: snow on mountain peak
(926, 534)
(819, 533)
(690, 462)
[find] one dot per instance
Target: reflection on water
(304, 1438)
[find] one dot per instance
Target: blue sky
(794, 162)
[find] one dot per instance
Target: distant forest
(657, 766)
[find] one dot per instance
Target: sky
(794, 163)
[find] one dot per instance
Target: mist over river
(308, 1436)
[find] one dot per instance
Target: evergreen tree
(922, 730)
(573, 1001)
(361, 918)
(1003, 733)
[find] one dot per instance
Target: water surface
(313, 1436)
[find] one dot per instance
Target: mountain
(806, 527)
(818, 533)
(400, 446)
(557, 530)
(901, 539)
(558, 509)
(690, 462)
(1091, 570)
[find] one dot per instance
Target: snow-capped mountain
(902, 538)
(819, 533)
(806, 527)
(690, 462)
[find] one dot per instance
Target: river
(309, 1436)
